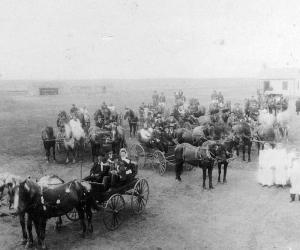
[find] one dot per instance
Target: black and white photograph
(150, 124)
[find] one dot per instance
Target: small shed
(285, 81)
(45, 88)
(48, 91)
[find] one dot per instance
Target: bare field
(237, 215)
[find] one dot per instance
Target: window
(285, 85)
(266, 85)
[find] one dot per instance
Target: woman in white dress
(266, 172)
(295, 179)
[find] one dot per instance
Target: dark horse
(50, 181)
(132, 120)
(49, 141)
(42, 204)
(242, 134)
(265, 134)
(203, 156)
(229, 144)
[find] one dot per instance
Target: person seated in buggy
(125, 171)
(100, 173)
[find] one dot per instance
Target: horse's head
(217, 151)
(24, 194)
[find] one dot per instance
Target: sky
(96, 39)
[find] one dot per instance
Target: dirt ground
(238, 215)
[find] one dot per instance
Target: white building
(280, 81)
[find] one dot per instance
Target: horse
(42, 203)
(264, 134)
(132, 120)
(48, 138)
(242, 135)
(229, 143)
(98, 137)
(155, 138)
(74, 138)
(118, 138)
(49, 181)
(203, 157)
(8, 181)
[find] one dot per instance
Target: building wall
(289, 87)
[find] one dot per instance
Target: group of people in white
(279, 166)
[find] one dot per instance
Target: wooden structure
(283, 81)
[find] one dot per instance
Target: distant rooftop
(280, 73)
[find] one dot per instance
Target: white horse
(8, 181)
(74, 138)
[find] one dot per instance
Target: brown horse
(42, 203)
(48, 138)
(203, 156)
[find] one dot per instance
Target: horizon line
(131, 79)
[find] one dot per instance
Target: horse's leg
(67, 153)
(53, 148)
(249, 150)
(130, 129)
(178, 169)
(74, 150)
(43, 223)
(22, 222)
(225, 171)
(258, 147)
(244, 151)
(58, 223)
(237, 150)
(134, 129)
(204, 177)
(219, 170)
(29, 230)
(89, 216)
(210, 169)
(81, 217)
(48, 152)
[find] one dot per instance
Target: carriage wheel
(73, 215)
(187, 125)
(160, 161)
(113, 212)
(139, 197)
(137, 153)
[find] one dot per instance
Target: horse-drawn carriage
(154, 147)
(112, 202)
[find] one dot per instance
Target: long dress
(268, 168)
(295, 177)
(280, 161)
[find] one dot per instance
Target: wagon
(112, 202)
(143, 154)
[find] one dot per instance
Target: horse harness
(46, 205)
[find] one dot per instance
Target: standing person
(162, 98)
(298, 106)
(155, 98)
(132, 121)
(220, 97)
(214, 95)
